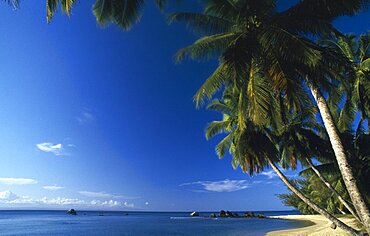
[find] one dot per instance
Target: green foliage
(358, 152)
(315, 189)
(249, 144)
(354, 87)
(265, 60)
(242, 34)
(52, 5)
(123, 13)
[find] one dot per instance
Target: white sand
(321, 226)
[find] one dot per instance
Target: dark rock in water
(213, 215)
(229, 214)
(249, 214)
(126, 214)
(72, 212)
(222, 213)
(194, 213)
(333, 226)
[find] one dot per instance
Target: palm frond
(124, 13)
(224, 145)
(327, 10)
(217, 127)
(207, 47)
(201, 23)
(278, 41)
(217, 105)
(161, 4)
(212, 85)
(259, 97)
(364, 47)
(52, 6)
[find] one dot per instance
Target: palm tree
(254, 147)
(241, 31)
(299, 141)
(315, 190)
(355, 89)
(358, 150)
(327, 183)
(124, 13)
(340, 153)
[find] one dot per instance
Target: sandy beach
(320, 226)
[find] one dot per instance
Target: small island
(72, 212)
(229, 214)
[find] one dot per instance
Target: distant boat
(194, 213)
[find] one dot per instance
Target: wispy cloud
(112, 203)
(97, 194)
(85, 117)
(129, 205)
(9, 198)
(219, 186)
(52, 187)
(17, 181)
(56, 149)
(104, 195)
(270, 174)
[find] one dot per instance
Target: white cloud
(7, 195)
(12, 198)
(146, 203)
(17, 181)
(97, 194)
(270, 174)
(59, 201)
(219, 186)
(50, 147)
(105, 195)
(112, 203)
(9, 198)
(129, 205)
(52, 187)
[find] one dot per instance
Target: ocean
(136, 223)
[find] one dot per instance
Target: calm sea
(135, 223)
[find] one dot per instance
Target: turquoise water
(135, 223)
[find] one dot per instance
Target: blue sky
(104, 119)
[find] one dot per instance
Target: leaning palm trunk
(344, 167)
(335, 192)
(313, 205)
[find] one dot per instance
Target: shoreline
(320, 226)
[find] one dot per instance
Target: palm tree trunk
(323, 179)
(344, 167)
(313, 205)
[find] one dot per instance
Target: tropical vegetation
(243, 34)
(122, 13)
(279, 70)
